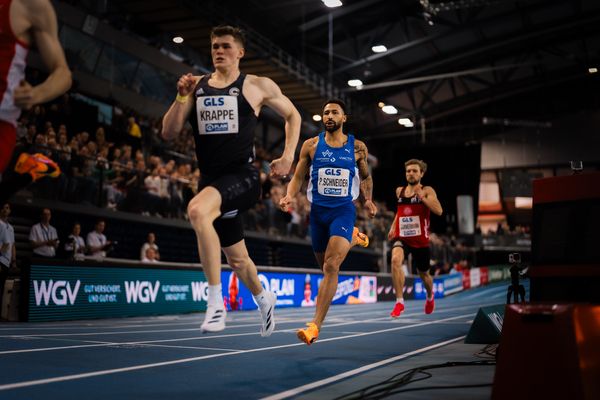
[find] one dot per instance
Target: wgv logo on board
(199, 291)
(142, 291)
(60, 292)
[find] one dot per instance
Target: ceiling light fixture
(406, 122)
(354, 82)
(316, 118)
(332, 3)
(592, 70)
(178, 39)
(379, 48)
(389, 109)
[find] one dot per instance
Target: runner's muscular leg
(203, 209)
(336, 252)
(320, 259)
(427, 282)
(397, 271)
(243, 266)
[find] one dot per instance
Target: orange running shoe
(37, 165)
(310, 334)
(359, 238)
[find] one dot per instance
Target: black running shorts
(240, 190)
(421, 255)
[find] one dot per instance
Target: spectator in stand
(8, 252)
(125, 155)
(44, 237)
(75, 245)
(150, 244)
(101, 139)
(152, 184)
(500, 229)
(277, 218)
(134, 133)
(149, 256)
(96, 241)
(83, 138)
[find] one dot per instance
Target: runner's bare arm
(178, 113)
(44, 30)
(366, 181)
(276, 100)
(299, 174)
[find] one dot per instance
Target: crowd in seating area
(127, 166)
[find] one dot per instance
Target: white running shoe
(214, 320)
(267, 314)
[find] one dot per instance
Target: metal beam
(431, 77)
(445, 33)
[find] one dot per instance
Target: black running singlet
(223, 122)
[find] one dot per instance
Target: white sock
(215, 295)
(400, 300)
(261, 298)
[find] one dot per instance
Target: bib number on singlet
(333, 182)
(217, 115)
(409, 226)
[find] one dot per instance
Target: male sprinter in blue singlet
(222, 108)
(338, 170)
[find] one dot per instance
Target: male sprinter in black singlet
(222, 108)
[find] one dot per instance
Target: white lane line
(197, 321)
(109, 344)
(487, 292)
(231, 324)
(204, 337)
(64, 378)
(327, 381)
(175, 347)
(114, 326)
(440, 310)
(150, 342)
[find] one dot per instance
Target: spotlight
(332, 3)
(389, 109)
(406, 122)
(178, 39)
(355, 82)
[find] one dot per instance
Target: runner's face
(225, 51)
(333, 117)
(413, 174)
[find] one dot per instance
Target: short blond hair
(413, 161)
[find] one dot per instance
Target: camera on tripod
(576, 167)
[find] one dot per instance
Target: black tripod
(515, 287)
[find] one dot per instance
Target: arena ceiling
(447, 67)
